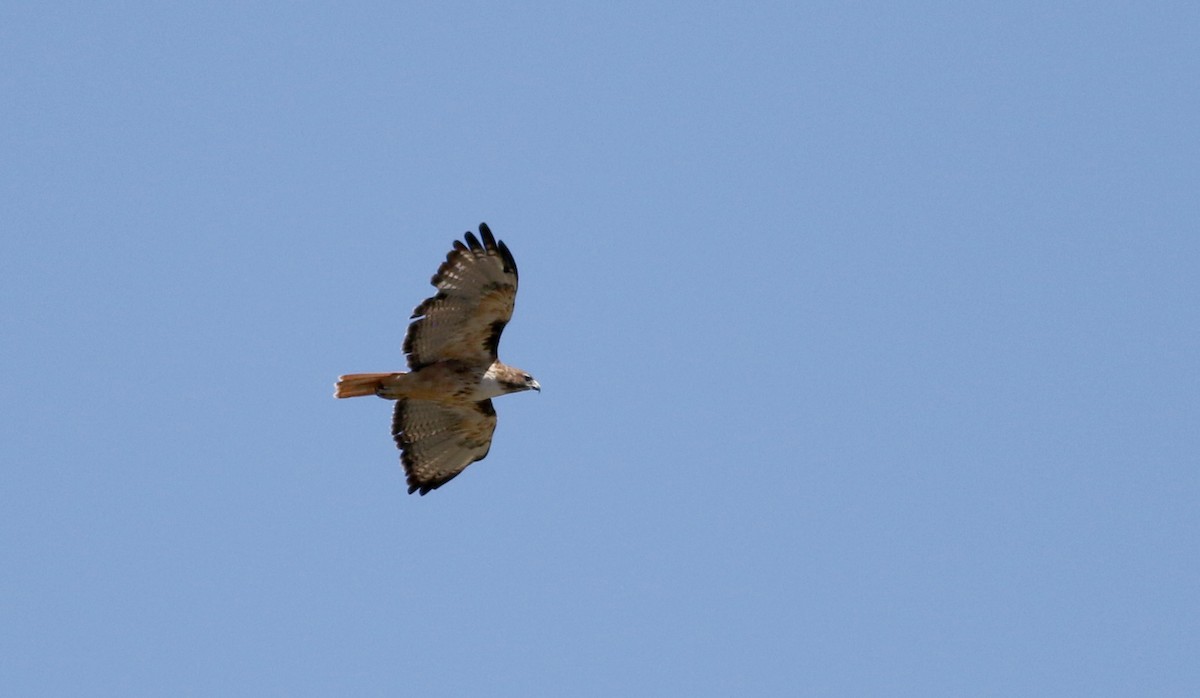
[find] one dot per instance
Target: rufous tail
(360, 384)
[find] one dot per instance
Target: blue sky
(868, 339)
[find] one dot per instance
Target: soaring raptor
(444, 417)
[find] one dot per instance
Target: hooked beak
(534, 385)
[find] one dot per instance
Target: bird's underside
(443, 419)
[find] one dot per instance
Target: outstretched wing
(477, 285)
(438, 440)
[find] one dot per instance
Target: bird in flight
(444, 419)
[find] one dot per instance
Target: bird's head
(511, 379)
(526, 382)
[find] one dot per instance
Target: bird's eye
(527, 377)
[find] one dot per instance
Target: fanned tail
(360, 384)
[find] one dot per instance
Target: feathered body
(444, 419)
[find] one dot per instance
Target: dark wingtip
(510, 264)
(489, 240)
(491, 244)
(473, 242)
(421, 488)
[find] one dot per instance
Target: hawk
(444, 419)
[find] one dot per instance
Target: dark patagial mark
(492, 342)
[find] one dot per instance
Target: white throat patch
(490, 386)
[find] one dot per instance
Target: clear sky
(868, 338)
